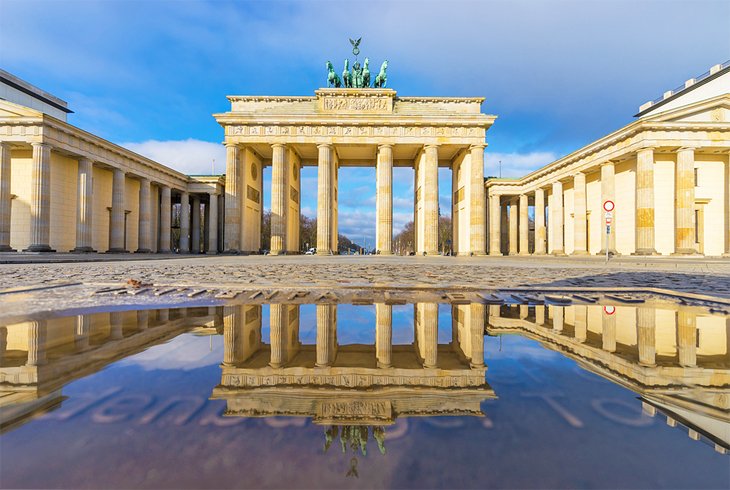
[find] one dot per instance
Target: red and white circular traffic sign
(608, 206)
(609, 310)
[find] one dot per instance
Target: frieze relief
(350, 380)
(356, 104)
(355, 131)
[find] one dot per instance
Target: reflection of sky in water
(553, 425)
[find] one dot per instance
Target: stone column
(524, 226)
(82, 332)
(279, 199)
(513, 226)
(685, 202)
(580, 215)
(383, 334)
(540, 314)
(325, 333)
(430, 334)
(477, 204)
(476, 329)
(608, 193)
(40, 199)
(384, 200)
(233, 195)
(195, 232)
(608, 329)
(143, 320)
(84, 206)
(36, 343)
(184, 223)
(232, 330)
(558, 318)
(495, 233)
(324, 200)
(279, 320)
(116, 222)
(5, 197)
(646, 336)
(213, 224)
(145, 216)
(116, 325)
(165, 217)
(687, 338)
(645, 202)
(556, 215)
(540, 230)
(431, 200)
(581, 322)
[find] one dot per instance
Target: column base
(431, 254)
(480, 253)
(559, 253)
(495, 254)
(476, 366)
(382, 252)
(7, 248)
(726, 254)
(322, 366)
(645, 252)
(164, 251)
(646, 364)
(323, 252)
(524, 254)
(39, 248)
(580, 252)
(383, 365)
(231, 251)
(143, 251)
(117, 251)
(687, 251)
(612, 253)
(210, 252)
(82, 250)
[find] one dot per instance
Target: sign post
(608, 207)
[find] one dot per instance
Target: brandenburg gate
(339, 128)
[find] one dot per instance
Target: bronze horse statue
(332, 79)
(381, 79)
(346, 78)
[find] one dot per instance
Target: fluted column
(143, 320)
(431, 200)
(478, 204)
(685, 202)
(540, 230)
(524, 225)
(116, 325)
(645, 202)
(184, 223)
(165, 218)
(513, 226)
(608, 193)
(82, 332)
(476, 330)
(84, 206)
(384, 200)
(5, 197)
(279, 320)
(40, 199)
(116, 222)
(495, 219)
(383, 334)
(36, 343)
(558, 318)
(608, 332)
(232, 329)
(213, 224)
(430, 334)
(145, 216)
(324, 200)
(580, 215)
(581, 322)
(687, 338)
(233, 198)
(279, 199)
(195, 231)
(325, 334)
(556, 214)
(646, 335)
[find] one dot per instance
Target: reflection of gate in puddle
(676, 358)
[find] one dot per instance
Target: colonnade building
(667, 174)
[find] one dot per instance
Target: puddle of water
(325, 395)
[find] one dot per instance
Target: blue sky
(559, 74)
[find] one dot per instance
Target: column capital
(579, 174)
(384, 145)
(5, 145)
(145, 180)
(231, 144)
(82, 158)
(430, 145)
(278, 145)
(607, 162)
(481, 146)
(686, 148)
(321, 145)
(40, 144)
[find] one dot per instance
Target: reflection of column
(495, 234)
(143, 320)
(581, 322)
(429, 322)
(646, 336)
(645, 202)
(279, 199)
(524, 311)
(145, 217)
(685, 202)
(556, 216)
(324, 200)
(84, 205)
(431, 200)
(524, 226)
(195, 232)
(558, 318)
(40, 199)
(279, 320)
(540, 314)
(477, 205)
(165, 216)
(687, 338)
(608, 193)
(513, 226)
(476, 329)
(384, 200)
(608, 329)
(163, 316)
(233, 194)
(3, 343)
(5, 197)
(232, 322)
(540, 231)
(36, 343)
(116, 325)
(494, 312)
(383, 334)
(83, 330)
(184, 223)
(116, 222)
(212, 225)
(580, 223)
(325, 334)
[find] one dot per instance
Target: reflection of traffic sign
(609, 310)
(608, 206)
(609, 220)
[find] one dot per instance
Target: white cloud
(517, 164)
(190, 156)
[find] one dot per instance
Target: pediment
(715, 110)
(11, 110)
